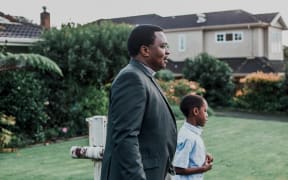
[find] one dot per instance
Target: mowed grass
(46, 163)
(243, 149)
(246, 149)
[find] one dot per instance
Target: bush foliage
(175, 90)
(89, 56)
(48, 106)
(261, 92)
(5, 134)
(213, 75)
(23, 96)
(165, 75)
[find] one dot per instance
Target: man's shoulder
(131, 74)
(130, 71)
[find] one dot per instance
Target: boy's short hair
(189, 102)
(141, 35)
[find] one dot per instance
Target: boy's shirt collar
(196, 129)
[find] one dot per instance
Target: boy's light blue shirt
(190, 151)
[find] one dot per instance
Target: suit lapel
(163, 96)
(145, 71)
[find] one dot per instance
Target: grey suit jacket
(141, 131)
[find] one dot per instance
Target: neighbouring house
(17, 33)
(247, 42)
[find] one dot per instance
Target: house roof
(221, 18)
(240, 66)
(18, 30)
(244, 66)
(141, 19)
(231, 18)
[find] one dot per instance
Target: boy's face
(202, 115)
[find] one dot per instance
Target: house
(17, 33)
(247, 42)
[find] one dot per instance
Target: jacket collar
(147, 70)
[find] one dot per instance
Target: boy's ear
(144, 50)
(195, 111)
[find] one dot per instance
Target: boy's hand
(209, 157)
(207, 165)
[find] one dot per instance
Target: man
(141, 132)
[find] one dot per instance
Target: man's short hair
(141, 35)
(189, 102)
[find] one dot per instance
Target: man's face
(158, 52)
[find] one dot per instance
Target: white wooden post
(97, 138)
(97, 130)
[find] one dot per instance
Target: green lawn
(247, 149)
(46, 162)
(243, 149)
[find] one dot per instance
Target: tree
(9, 61)
(213, 75)
(90, 56)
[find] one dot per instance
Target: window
(181, 42)
(220, 37)
(229, 37)
(238, 36)
(276, 42)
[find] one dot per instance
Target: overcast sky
(84, 11)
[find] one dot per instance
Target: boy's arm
(195, 170)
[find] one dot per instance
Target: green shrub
(5, 134)
(165, 75)
(261, 92)
(95, 102)
(285, 81)
(283, 101)
(175, 90)
(52, 133)
(91, 54)
(88, 55)
(213, 75)
(23, 96)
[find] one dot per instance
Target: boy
(191, 160)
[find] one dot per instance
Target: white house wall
(241, 48)
(275, 51)
(193, 47)
(258, 42)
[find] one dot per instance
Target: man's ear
(144, 51)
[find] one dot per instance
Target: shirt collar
(196, 129)
(150, 71)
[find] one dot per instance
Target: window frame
(222, 37)
(182, 42)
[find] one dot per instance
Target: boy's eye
(165, 46)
